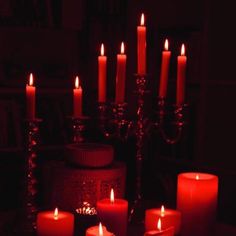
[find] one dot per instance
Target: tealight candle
(160, 231)
(113, 213)
(169, 217)
(197, 201)
(55, 223)
(78, 92)
(30, 98)
(99, 230)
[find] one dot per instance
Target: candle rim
(50, 214)
(202, 176)
(116, 201)
(167, 211)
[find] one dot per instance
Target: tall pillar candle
(30, 98)
(77, 98)
(141, 46)
(55, 223)
(181, 77)
(197, 200)
(169, 218)
(114, 214)
(165, 63)
(120, 75)
(102, 76)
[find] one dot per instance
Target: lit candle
(141, 46)
(120, 75)
(197, 201)
(55, 223)
(169, 217)
(160, 230)
(99, 230)
(181, 75)
(102, 76)
(77, 98)
(30, 98)
(113, 213)
(165, 63)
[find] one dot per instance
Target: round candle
(77, 91)
(181, 76)
(30, 98)
(102, 76)
(197, 201)
(160, 230)
(165, 63)
(120, 75)
(113, 213)
(55, 223)
(169, 217)
(99, 230)
(141, 46)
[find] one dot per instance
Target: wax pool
(49, 225)
(197, 201)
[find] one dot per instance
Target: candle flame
(142, 21)
(122, 48)
(112, 197)
(56, 213)
(197, 177)
(102, 49)
(159, 224)
(100, 229)
(162, 210)
(182, 50)
(31, 80)
(77, 82)
(166, 46)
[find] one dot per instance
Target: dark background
(57, 39)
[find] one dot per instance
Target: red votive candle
(30, 98)
(197, 201)
(55, 223)
(169, 218)
(113, 213)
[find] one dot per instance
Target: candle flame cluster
(86, 209)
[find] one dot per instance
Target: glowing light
(162, 210)
(142, 20)
(31, 80)
(166, 46)
(159, 224)
(100, 230)
(102, 49)
(197, 177)
(55, 213)
(122, 48)
(182, 50)
(112, 197)
(77, 82)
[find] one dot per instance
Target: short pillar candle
(55, 223)
(113, 213)
(197, 200)
(169, 217)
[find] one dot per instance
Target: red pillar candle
(77, 91)
(165, 63)
(169, 217)
(141, 46)
(197, 200)
(181, 75)
(99, 230)
(102, 76)
(113, 213)
(55, 223)
(30, 98)
(160, 230)
(120, 75)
